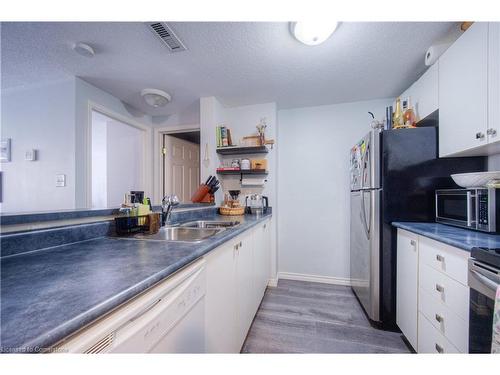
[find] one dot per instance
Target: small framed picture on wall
(5, 150)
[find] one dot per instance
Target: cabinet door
(261, 261)
(463, 92)
(221, 300)
(244, 287)
(424, 93)
(407, 285)
(494, 82)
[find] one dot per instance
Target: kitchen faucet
(167, 204)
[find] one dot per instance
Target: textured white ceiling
(240, 63)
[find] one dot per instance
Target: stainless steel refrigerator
(394, 175)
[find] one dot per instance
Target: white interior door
(182, 167)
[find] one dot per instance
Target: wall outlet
(30, 155)
(60, 180)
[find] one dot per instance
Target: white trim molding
(147, 139)
(273, 283)
(314, 278)
(157, 155)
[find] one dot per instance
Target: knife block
(202, 195)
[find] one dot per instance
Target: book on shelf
(223, 136)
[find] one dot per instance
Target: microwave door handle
(469, 209)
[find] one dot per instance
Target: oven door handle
(486, 281)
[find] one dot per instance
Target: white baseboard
(272, 283)
(314, 278)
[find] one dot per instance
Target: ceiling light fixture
(156, 98)
(83, 49)
(312, 33)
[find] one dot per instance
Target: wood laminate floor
(305, 317)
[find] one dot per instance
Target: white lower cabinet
(430, 340)
(220, 306)
(237, 275)
(406, 285)
(432, 288)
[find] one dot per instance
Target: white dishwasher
(168, 318)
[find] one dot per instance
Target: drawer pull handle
(439, 348)
(439, 258)
(439, 288)
(439, 318)
(413, 243)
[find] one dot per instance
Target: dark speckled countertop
(48, 294)
(464, 239)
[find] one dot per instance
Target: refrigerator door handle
(366, 226)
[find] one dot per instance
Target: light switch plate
(5, 150)
(30, 155)
(60, 180)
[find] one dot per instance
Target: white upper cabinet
(494, 81)
(424, 93)
(463, 93)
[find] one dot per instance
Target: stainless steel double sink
(193, 231)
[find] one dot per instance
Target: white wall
(39, 117)
(313, 189)
(85, 95)
(242, 121)
(125, 152)
(99, 161)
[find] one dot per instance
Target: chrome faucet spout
(167, 204)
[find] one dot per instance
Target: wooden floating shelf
(237, 150)
(245, 171)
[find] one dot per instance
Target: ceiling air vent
(166, 34)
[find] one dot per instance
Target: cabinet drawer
(450, 292)
(449, 324)
(447, 259)
(430, 340)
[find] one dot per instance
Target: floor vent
(167, 36)
(101, 345)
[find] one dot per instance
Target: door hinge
(164, 151)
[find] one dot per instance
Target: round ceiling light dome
(156, 98)
(312, 32)
(83, 49)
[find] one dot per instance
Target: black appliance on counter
(484, 279)
(394, 176)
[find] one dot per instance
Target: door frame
(158, 170)
(146, 139)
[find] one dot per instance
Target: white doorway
(117, 160)
(181, 164)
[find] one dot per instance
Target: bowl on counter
(475, 179)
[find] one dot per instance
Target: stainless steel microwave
(474, 208)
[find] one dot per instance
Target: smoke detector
(83, 49)
(156, 98)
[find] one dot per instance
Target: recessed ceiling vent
(166, 34)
